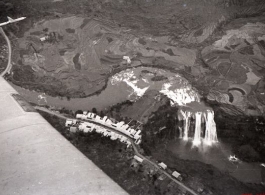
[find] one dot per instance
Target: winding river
(128, 84)
(132, 84)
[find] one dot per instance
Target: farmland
(83, 42)
(72, 53)
(81, 53)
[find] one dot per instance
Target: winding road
(136, 151)
(9, 64)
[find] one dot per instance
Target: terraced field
(238, 58)
(73, 48)
(213, 50)
(81, 53)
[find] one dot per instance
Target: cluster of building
(119, 126)
(82, 125)
(163, 166)
(86, 127)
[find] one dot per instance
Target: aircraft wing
(10, 19)
(36, 159)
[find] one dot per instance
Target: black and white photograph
(132, 97)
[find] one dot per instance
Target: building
(128, 143)
(105, 118)
(84, 117)
(113, 136)
(131, 131)
(138, 141)
(98, 130)
(108, 122)
(177, 175)
(114, 125)
(81, 127)
(125, 127)
(138, 158)
(79, 116)
(73, 129)
(123, 139)
(120, 124)
(98, 118)
(162, 165)
(107, 133)
(68, 123)
(127, 58)
(44, 38)
(87, 129)
(90, 115)
(137, 135)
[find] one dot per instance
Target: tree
(94, 110)
(78, 112)
(101, 114)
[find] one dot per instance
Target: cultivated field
(81, 53)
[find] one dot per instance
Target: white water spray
(186, 116)
(209, 132)
(198, 128)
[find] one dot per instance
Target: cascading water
(181, 93)
(207, 134)
(210, 130)
(198, 124)
(186, 117)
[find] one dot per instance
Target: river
(217, 155)
(128, 84)
(132, 84)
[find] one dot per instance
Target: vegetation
(111, 156)
(249, 146)
(207, 177)
(163, 125)
(176, 23)
(3, 54)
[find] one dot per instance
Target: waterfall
(210, 131)
(208, 134)
(186, 117)
(198, 124)
(186, 125)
